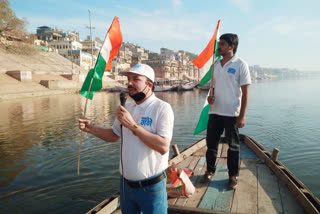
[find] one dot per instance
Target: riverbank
(43, 85)
(48, 73)
(35, 94)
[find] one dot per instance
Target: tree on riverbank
(9, 22)
(13, 36)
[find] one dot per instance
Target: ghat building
(67, 44)
(171, 69)
(168, 65)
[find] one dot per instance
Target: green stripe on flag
(203, 121)
(96, 74)
(85, 87)
(206, 77)
(216, 45)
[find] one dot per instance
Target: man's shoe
(233, 181)
(207, 177)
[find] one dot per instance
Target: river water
(39, 140)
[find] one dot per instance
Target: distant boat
(158, 88)
(174, 87)
(119, 88)
(205, 87)
(187, 86)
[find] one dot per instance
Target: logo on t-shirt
(146, 121)
(231, 71)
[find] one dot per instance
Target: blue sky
(272, 33)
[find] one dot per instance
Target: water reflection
(38, 149)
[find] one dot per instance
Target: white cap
(141, 69)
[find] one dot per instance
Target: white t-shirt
(227, 82)
(140, 161)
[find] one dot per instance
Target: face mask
(138, 96)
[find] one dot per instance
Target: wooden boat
(206, 87)
(265, 184)
(189, 86)
(158, 88)
(119, 88)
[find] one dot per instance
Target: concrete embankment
(41, 74)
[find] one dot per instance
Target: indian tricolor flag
(204, 118)
(204, 63)
(204, 60)
(108, 51)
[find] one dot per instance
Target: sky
(272, 33)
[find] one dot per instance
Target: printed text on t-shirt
(146, 121)
(231, 71)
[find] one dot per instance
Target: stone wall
(22, 76)
(60, 84)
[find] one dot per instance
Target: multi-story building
(90, 47)
(168, 65)
(124, 59)
(166, 53)
(62, 47)
(53, 34)
(69, 46)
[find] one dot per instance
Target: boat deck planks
(269, 200)
(246, 152)
(290, 205)
(218, 196)
(261, 187)
(245, 198)
(258, 190)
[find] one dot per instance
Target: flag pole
(84, 115)
(211, 83)
(213, 62)
(91, 81)
(85, 106)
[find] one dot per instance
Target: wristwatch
(135, 126)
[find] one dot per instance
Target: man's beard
(138, 96)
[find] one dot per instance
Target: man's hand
(210, 99)
(240, 122)
(85, 125)
(125, 118)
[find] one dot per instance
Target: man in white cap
(146, 127)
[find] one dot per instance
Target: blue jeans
(150, 199)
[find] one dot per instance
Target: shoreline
(20, 95)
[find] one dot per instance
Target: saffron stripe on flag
(108, 51)
(204, 60)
